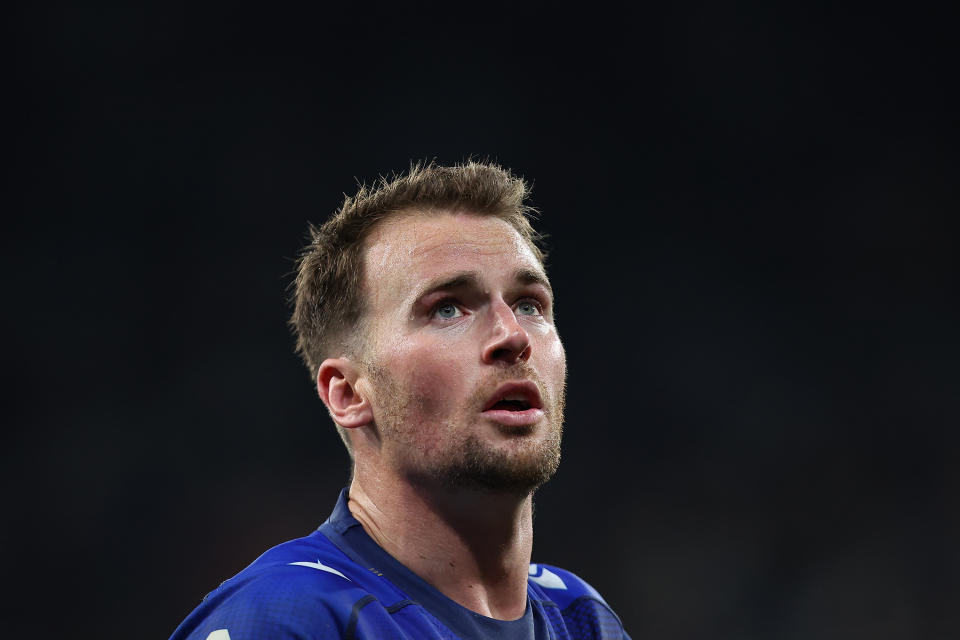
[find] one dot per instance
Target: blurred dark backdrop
(751, 216)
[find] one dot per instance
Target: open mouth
(515, 404)
(511, 405)
(515, 396)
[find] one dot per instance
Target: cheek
(557, 359)
(433, 396)
(434, 383)
(555, 370)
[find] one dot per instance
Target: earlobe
(337, 387)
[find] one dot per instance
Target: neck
(474, 547)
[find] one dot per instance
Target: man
(425, 316)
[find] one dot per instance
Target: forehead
(407, 250)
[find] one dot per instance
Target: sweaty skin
(459, 309)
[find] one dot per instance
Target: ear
(337, 387)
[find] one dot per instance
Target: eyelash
(453, 302)
(443, 303)
(536, 303)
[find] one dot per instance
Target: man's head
(330, 303)
(418, 306)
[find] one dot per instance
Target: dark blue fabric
(349, 536)
(338, 583)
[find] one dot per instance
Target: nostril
(507, 345)
(507, 354)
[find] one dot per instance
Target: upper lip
(524, 389)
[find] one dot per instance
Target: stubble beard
(473, 464)
(479, 467)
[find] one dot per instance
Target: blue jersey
(338, 583)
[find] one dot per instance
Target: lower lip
(523, 418)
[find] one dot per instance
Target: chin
(478, 466)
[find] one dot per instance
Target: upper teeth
(515, 397)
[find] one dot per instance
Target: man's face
(465, 366)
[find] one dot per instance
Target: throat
(472, 546)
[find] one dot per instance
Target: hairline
(357, 349)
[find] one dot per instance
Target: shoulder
(305, 588)
(560, 585)
(564, 595)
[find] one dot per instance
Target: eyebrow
(530, 276)
(472, 279)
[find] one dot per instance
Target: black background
(751, 218)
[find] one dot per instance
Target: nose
(509, 342)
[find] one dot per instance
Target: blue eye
(528, 308)
(448, 310)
